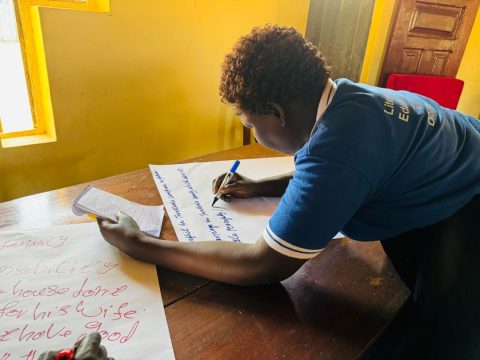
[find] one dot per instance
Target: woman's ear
(278, 112)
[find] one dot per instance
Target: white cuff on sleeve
(287, 249)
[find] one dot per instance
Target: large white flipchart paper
(62, 282)
(186, 191)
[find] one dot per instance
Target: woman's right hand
(239, 186)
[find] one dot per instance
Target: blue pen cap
(235, 166)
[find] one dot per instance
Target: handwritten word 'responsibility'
(68, 266)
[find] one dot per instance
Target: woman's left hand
(125, 234)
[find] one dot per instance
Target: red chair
(444, 90)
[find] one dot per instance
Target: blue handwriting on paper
(234, 237)
(187, 184)
(218, 223)
(229, 226)
(213, 230)
(176, 211)
(186, 231)
(177, 214)
(164, 185)
(226, 220)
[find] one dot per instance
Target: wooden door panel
(411, 59)
(428, 37)
(438, 21)
(439, 62)
(419, 61)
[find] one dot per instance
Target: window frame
(34, 62)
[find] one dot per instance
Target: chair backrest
(444, 90)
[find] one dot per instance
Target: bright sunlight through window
(15, 112)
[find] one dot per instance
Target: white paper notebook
(106, 205)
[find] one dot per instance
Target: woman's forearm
(274, 186)
(234, 263)
(225, 261)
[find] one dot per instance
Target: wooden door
(428, 37)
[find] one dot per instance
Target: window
(15, 112)
(26, 115)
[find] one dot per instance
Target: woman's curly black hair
(272, 64)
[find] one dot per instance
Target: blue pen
(226, 180)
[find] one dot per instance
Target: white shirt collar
(326, 98)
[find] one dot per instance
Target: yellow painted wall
(469, 71)
(377, 41)
(135, 86)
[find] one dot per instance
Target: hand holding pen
(225, 181)
(242, 187)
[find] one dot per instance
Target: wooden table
(330, 309)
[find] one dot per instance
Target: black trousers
(441, 266)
